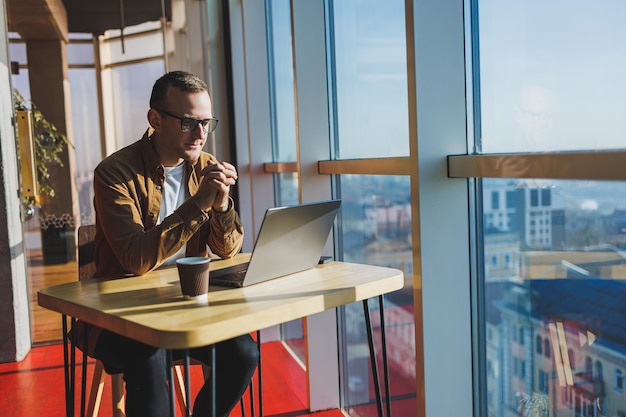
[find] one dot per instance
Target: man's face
(172, 144)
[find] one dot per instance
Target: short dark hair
(180, 79)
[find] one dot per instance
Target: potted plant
(48, 145)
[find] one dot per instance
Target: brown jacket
(127, 199)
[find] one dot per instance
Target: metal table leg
(213, 382)
(374, 360)
(259, 377)
(187, 383)
(381, 311)
(66, 368)
(83, 385)
(170, 374)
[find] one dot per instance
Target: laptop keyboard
(230, 279)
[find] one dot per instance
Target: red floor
(35, 387)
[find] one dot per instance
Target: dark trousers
(145, 373)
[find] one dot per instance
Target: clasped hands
(215, 184)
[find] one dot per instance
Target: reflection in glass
(370, 80)
(551, 75)
(554, 284)
(376, 230)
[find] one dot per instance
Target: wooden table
(151, 308)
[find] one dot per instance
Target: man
(156, 200)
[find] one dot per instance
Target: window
(369, 54)
(511, 199)
(546, 197)
(376, 230)
(132, 83)
(519, 98)
(85, 122)
(538, 345)
(524, 98)
(532, 107)
(619, 380)
(369, 119)
(544, 379)
(534, 198)
(495, 200)
(352, 103)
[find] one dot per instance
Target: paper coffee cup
(193, 274)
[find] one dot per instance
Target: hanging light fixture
(123, 24)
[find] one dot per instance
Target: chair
(86, 270)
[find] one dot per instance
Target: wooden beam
(38, 19)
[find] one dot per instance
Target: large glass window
(85, 125)
(133, 62)
(282, 80)
(550, 80)
(369, 56)
(132, 86)
(368, 90)
(85, 120)
(376, 230)
(565, 288)
(551, 75)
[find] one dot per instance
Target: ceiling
(100, 15)
(53, 19)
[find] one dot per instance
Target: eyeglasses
(189, 124)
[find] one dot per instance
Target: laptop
(291, 239)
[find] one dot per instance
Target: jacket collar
(153, 164)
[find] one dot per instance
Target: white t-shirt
(173, 196)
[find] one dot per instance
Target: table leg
(187, 383)
(73, 365)
(373, 358)
(66, 369)
(213, 382)
(170, 373)
(259, 377)
(83, 384)
(381, 311)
